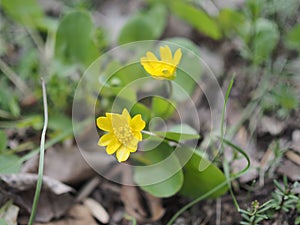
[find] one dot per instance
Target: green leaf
(180, 133)
(8, 100)
(157, 17)
(3, 141)
(139, 108)
(35, 121)
(230, 20)
(197, 18)
(130, 74)
(9, 164)
(147, 25)
(136, 29)
(59, 122)
(185, 43)
(189, 70)
(108, 91)
(200, 175)
(286, 97)
(253, 9)
(161, 176)
(26, 12)
(292, 40)
(2, 222)
(265, 40)
(75, 45)
(162, 107)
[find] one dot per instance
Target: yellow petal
(123, 154)
(113, 147)
(158, 77)
(126, 115)
(177, 57)
(106, 139)
(151, 56)
(138, 135)
(148, 68)
(104, 123)
(117, 121)
(137, 123)
(132, 150)
(166, 54)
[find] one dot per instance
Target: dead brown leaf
(131, 199)
(271, 125)
(97, 210)
(296, 140)
(9, 213)
(243, 140)
(155, 205)
(132, 202)
(65, 164)
(77, 215)
(289, 169)
(55, 198)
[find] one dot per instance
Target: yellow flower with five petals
(164, 68)
(123, 135)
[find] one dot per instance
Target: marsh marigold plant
(123, 135)
(164, 68)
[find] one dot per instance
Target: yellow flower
(123, 135)
(164, 68)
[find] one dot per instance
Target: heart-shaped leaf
(200, 175)
(161, 175)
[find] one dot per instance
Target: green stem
(228, 177)
(161, 137)
(225, 161)
(221, 185)
(41, 162)
(170, 89)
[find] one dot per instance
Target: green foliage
(128, 74)
(230, 20)
(253, 9)
(82, 49)
(77, 42)
(283, 199)
(255, 214)
(139, 108)
(60, 89)
(146, 25)
(8, 99)
(282, 98)
(292, 39)
(286, 97)
(3, 141)
(3, 222)
(265, 40)
(9, 163)
(161, 175)
(178, 133)
(200, 176)
(162, 107)
(189, 70)
(196, 17)
(26, 12)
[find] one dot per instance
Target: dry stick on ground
(14, 78)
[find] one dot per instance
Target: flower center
(165, 71)
(124, 134)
